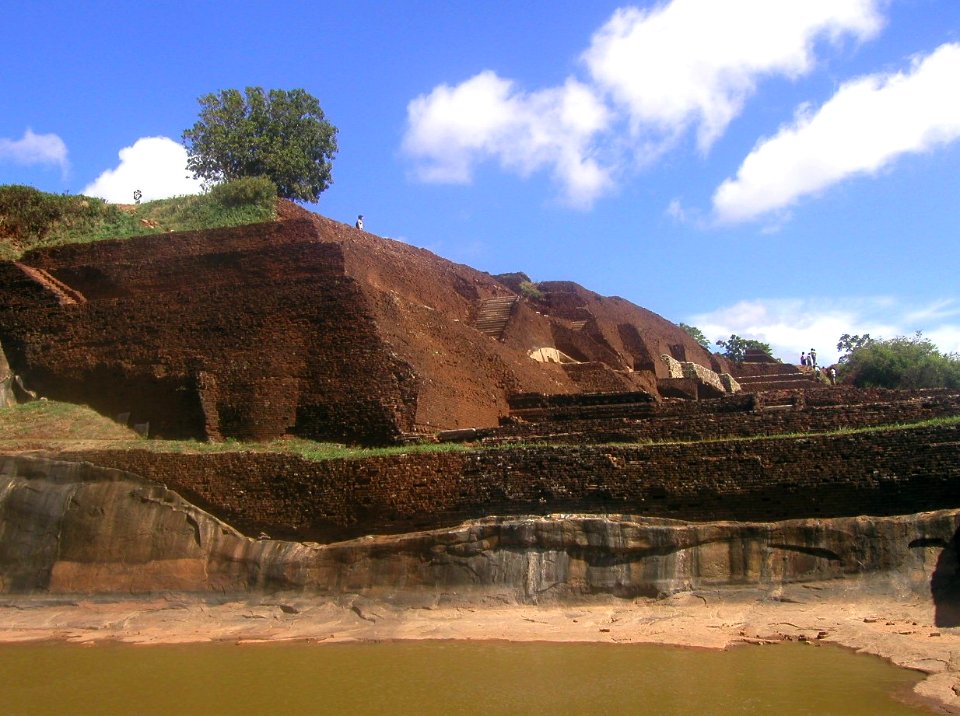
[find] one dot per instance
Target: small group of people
(810, 359)
(831, 374)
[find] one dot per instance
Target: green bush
(529, 289)
(901, 363)
(28, 215)
(258, 191)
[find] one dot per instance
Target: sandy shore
(902, 631)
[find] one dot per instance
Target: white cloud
(695, 62)
(864, 127)
(947, 338)
(794, 325)
(487, 117)
(660, 72)
(154, 165)
(35, 149)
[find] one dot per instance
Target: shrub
(901, 363)
(529, 289)
(28, 215)
(30, 218)
(258, 191)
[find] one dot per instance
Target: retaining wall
(883, 473)
(243, 332)
(587, 419)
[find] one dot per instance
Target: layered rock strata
(77, 528)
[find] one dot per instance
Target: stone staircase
(61, 292)
(783, 377)
(493, 314)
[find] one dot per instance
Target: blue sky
(781, 169)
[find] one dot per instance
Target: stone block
(674, 367)
(730, 383)
(709, 382)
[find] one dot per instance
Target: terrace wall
(587, 419)
(247, 332)
(880, 473)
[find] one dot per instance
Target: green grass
(32, 219)
(45, 420)
(52, 425)
(307, 449)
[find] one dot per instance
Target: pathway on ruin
(493, 315)
(786, 381)
(64, 295)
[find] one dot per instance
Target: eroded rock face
(306, 326)
(7, 398)
(76, 528)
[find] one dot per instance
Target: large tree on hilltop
(281, 134)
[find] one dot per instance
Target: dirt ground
(902, 631)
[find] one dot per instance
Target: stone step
(750, 379)
(63, 294)
(493, 315)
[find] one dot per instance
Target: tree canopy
(848, 344)
(735, 347)
(901, 363)
(281, 134)
(696, 334)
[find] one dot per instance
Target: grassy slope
(32, 219)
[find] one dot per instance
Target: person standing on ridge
(813, 358)
(359, 223)
(803, 359)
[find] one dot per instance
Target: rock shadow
(945, 584)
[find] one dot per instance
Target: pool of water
(445, 678)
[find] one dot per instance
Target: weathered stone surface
(674, 367)
(304, 326)
(879, 473)
(7, 398)
(709, 382)
(73, 527)
(823, 409)
(730, 383)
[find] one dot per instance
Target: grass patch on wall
(32, 219)
(45, 422)
(51, 425)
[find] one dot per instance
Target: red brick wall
(580, 418)
(895, 472)
(240, 332)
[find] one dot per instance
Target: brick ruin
(308, 327)
(626, 417)
(167, 338)
(874, 473)
(312, 328)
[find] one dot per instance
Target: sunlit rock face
(76, 528)
(310, 327)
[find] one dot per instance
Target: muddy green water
(444, 678)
